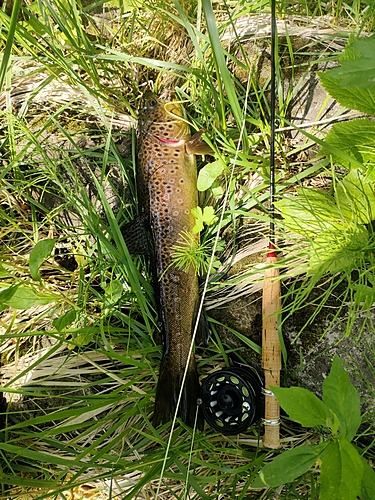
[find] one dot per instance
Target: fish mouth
(170, 142)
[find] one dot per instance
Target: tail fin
(168, 390)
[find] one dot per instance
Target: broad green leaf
(82, 339)
(288, 465)
(355, 197)
(352, 83)
(309, 212)
(41, 251)
(209, 216)
(341, 471)
(113, 292)
(353, 138)
(337, 249)
(341, 397)
(216, 190)
(206, 216)
(208, 174)
(335, 422)
(25, 297)
(302, 406)
(357, 65)
(334, 226)
(352, 98)
(65, 320)
(198, 214)
(6, 295)
(368, 482)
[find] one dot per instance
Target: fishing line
(190, 454)
(204, 291)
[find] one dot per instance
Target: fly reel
(232, 399)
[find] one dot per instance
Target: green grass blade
(223, 73)
(5, 62)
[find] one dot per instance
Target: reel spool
(232, 399)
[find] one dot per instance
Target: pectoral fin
(135, 237)
(196, 145)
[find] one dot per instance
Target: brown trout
(167, 191)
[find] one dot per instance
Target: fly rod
(271, 304)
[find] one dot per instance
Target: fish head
(162, 119)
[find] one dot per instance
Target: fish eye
(152, 103)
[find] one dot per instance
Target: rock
(304, 48)
(66, 157)
(310, 352)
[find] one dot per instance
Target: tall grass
(85, 343)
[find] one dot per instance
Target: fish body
(167, 191)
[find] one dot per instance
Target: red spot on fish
(166, 197)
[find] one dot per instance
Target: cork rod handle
(271, 352)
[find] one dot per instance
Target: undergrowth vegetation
(79, 354)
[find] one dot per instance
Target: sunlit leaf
(355, 197)
(352, 84)
(357, 65)
(341, 397)
(290, 464)
(24, 297)
(41, 251)
(352, 137)
(341, 471)
(65, 320)
(368, 482)
(302, 406)
(113, 292)
(208, 174)
(206, 216)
